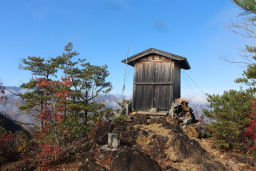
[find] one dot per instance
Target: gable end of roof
(181, 60)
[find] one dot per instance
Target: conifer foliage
(61, 98)
(249, 6)
(250, 132)
(233, 113)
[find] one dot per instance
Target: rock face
(153, 144)
(181, 147)
(214, 166)
(126, 131)
(22, 165)
(197, 131)
(167, 143)
(140, 119)
(150, 143)
(133, 160)
(91, 166)
(100, 133)
(244, 159)
(181, 111)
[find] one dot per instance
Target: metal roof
(181, 60)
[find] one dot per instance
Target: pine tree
(249, 7)
(248, 29)
(234, 112)
(87, 82)
(231, 114)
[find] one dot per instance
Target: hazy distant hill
(197, 103)
(109, 100)
(11, 106)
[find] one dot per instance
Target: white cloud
(200, 100)
(200, 92)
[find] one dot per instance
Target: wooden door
(163, 85)
(143, 89)
(153, 86)
(162, 97)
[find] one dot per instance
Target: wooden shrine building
(156, 79)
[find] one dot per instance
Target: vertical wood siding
(176, 81)
(154, 83)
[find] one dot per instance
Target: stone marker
(113, 140)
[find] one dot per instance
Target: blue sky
(101, 30)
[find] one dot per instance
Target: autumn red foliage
(250, 132)
(48, 154)
(7, 138)
(6, 141)
(52, 115)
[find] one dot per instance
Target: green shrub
(120, 118)
(230, 114)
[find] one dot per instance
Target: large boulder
(181, 147)
(100, 133)
(21, 165)
(140, 119)
(91, 166)
(128, 134)
(130, 159)
(243, 159)
(156, 146)
(213, 166)
(170, 168)
(197, 131)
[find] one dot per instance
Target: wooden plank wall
(176, 81)
(143, 94)
(153, 83)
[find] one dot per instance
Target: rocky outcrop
(197, 131)
(166, 143)
(243, 159)
(182, 148)
(160, 140)
(21, 165)
(182, 112)
(133, 160)
(100, 133)
(91, 166)
(213, 166)
(140, 119)
(153, 144)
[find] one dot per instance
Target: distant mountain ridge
(11, 105)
